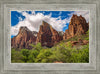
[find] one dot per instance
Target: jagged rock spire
(77, 26)
(47, 36)
(24, 38)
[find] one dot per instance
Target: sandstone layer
(24, 38)
(77, 26)
(48, 36)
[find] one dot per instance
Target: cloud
(20, 19)
(33, 12)
(33, 22)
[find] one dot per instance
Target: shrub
(16, 56)
(80, 55)
(36, 47)
(43, 56)
(25, 53)
(33, 55)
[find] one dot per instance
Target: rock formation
(79, 42)
(24, 38)
(77, 26)
(48, 36)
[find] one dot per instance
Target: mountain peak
(24, 38)
(74, 15)
(77, 26)
(47, 36)
(23, 29)
(44, 23)
(80, 15)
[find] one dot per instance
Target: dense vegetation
(62, 52)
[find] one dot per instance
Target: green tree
(36, 47)
(16, 56)
(33, 55)
(25, 53)
(43, 56)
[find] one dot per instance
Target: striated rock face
(77, 26)
(24, 38)
(48, 36)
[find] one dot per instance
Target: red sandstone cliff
(77, 26)
(24, 38)
(48, 36)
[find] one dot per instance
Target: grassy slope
(82, 37)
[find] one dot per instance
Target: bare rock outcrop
(48, 36)
(24, 38)
(77, 26)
